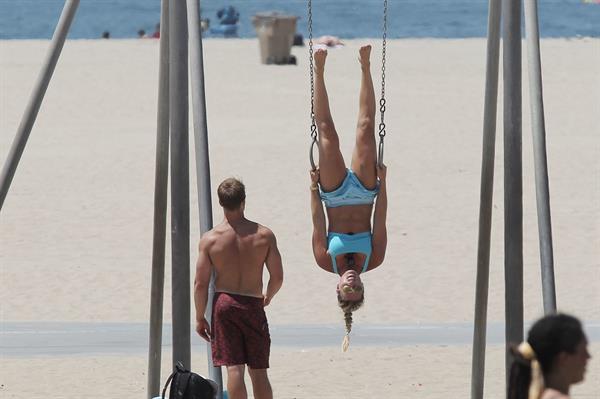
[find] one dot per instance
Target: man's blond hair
(232, 193)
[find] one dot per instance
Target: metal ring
(310, 153)
(380, 152)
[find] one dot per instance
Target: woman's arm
(379, 240)
(319, 237)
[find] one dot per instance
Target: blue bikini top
(339, 243)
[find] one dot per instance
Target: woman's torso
(350, 218)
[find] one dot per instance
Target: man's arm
(275, 268)
(319, 237)
(379, 240)
(201, 283)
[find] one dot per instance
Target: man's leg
(364, 158)
(331, 162)
(261, 387)
(236, 389)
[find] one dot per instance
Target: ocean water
(36, 19)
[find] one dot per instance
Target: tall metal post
(485, 199)
(161, 178)
(513, 175)
(180, 190)
(539, 152)
(202, 153)
(37, 96)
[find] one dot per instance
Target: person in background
(328, 41)
(237, 250)
(553, 358)
(156, 33)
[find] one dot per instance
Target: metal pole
(180, 190)
(513, 175)
(160, 208)
(485, 199)
(539, 152)
(37, 96)
(202, 153)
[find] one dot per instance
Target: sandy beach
(76, 226)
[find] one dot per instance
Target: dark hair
(548, 337)
(232, 193)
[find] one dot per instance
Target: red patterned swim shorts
(240, 332)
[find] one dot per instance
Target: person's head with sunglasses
(350, 287)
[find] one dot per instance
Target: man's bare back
(238, 251)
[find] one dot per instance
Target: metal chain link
(313, 125)
(382, 100)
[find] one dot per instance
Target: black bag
(188, 385)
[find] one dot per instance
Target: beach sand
(420, 372)
(76, 226)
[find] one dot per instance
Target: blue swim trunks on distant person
(350, 192)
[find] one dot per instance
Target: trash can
(275, 33)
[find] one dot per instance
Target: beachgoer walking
(237, 251)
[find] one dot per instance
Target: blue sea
(36, 19)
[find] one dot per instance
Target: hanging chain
(382, 100)
(313, 125)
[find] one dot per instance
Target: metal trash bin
(275, 33)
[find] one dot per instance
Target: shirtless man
(237, 250)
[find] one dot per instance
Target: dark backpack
(188, 385)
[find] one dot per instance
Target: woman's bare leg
(364, 157)
(331, 162)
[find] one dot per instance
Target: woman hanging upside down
(348, 246)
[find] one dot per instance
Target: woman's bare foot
(320, 56)
(365, 56)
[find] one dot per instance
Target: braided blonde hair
(348, 307)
